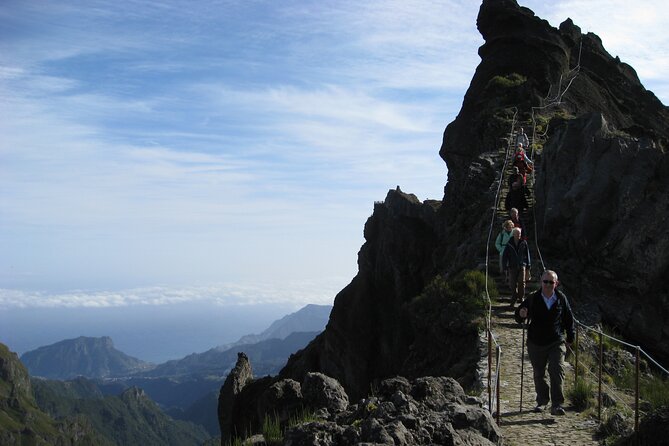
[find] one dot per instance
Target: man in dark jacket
(550, 317)
(516, 260)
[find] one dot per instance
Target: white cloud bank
(295, 293)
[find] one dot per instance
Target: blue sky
(161, 152)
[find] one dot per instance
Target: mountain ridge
(83, 356)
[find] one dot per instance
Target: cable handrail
(601, 333)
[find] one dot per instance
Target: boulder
(321, 391)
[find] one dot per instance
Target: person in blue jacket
(551, 319)
(502, 239)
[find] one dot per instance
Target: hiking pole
(522, 369)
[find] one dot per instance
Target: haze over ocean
(170, 171)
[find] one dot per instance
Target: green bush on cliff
(504, 82)
(455, 302)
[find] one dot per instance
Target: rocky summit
(601, 203)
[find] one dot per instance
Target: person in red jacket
(522, 162)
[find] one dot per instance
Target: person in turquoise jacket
(501, 241)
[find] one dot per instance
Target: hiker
(516, 196)
(514, 216)
(521, 138)
(550, 316)
(501, 241)
(516, 260)
(522, 162)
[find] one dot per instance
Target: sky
(228, 153)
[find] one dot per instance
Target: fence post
(499, 409)
(522, 370)
(490, 371)
(636, 393)
(599, 392)
(576, 356)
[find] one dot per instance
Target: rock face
(239, 377)
(429, 410)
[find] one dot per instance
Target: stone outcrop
(239, 377)
(429, 410)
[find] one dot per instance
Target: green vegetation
(302, 416)
(581, 394)
(271, 430)
(507, 81)
(131, 418)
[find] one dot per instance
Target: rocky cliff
(600, 200)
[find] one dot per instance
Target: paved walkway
(526, 428)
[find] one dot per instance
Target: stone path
(526, 428)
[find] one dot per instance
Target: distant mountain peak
(310, 318)
(83, 356)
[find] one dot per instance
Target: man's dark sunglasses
(549, 281)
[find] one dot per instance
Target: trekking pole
(522, 369)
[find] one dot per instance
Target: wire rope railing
(493, 389)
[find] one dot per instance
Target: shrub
(581, 394)
(507, 81)
(462, 298)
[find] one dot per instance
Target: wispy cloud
(234, 139)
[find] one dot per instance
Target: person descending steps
(550, 318)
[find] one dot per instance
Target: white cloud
(290, 292)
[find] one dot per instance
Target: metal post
(636, 394)
(499, 410)
(490, 371)
(576, 356)
(522, 370)
(599, 393)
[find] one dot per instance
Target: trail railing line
(637, 360)
(494, 391)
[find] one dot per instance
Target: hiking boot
(557, 410)
(539, 408)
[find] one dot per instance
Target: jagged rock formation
(83, 356)
(600, 201)
(239, 377)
